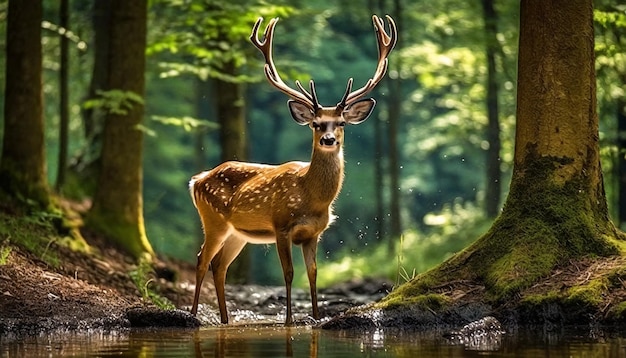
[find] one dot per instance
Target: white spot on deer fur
(258, 206)
(226, 180)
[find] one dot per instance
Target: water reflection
(278, 341)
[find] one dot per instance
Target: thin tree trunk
(394, 101)
(233, 139)
(494, 174)
(87, 164)
(231, 114)
(64, 96)
(621, 161)
(23, 162)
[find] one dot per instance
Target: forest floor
(96, 290)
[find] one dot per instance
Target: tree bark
(233, 139)
(621, 161)
(85, 169)
(63, 96)
(117, 209)
(394, 103)
(494, 174)
(23, 163)
(232, 117)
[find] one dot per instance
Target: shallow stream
(305, 341)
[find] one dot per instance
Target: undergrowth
(143, 278)
(448, 231)
(34, 233)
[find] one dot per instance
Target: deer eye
(315, 126)
(342, 124)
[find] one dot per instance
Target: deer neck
(324, 176)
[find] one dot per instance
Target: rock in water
(484, 334)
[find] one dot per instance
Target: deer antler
(265, 46)
(386, 43)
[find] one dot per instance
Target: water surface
(278, 341)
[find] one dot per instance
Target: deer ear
(358, 111)
(300, 112)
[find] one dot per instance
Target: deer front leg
(219, 266)
(283, 245)
(309, 251)
(213, 240)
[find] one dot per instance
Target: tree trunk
(117, 209)
(63, 96)
(232, 118)
(494, 174)
(86, 167)
(621, 162)
(394, 103)
(556, 210)
(23, 162)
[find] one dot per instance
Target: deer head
(304, 106)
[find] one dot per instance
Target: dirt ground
(84, 291)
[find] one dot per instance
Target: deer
(287, 204)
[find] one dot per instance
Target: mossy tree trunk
(117, 210)
(23, 162)
(556, 209)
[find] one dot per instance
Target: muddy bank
(86, 293)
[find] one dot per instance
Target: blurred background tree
(456, 60)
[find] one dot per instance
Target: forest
(425, 176)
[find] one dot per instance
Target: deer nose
(327, 139)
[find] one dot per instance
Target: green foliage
(142, 277)
(209, 35)
(115, 101)
(448, 232)
(186, 123)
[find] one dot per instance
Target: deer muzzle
(328, 139)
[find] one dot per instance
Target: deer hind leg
(219, 265)
(214, 237)
(283, 245)
(309, 251)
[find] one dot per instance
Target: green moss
(5, 251)
(590, 294)
(618, 312)
(545, 223)
(431, 301)
(34, 233)
(127, 235)
(540, 299)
